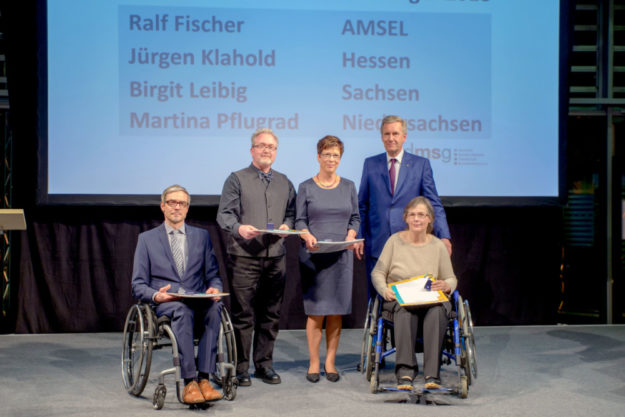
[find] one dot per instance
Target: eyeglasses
(176, 203)
(262, 146)
(330, 156)
(419, 216)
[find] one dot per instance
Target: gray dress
(328, 214)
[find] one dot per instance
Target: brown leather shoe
(192, 394)
(209, 393)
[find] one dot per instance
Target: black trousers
(257, 290)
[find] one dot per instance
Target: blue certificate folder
(414, 291)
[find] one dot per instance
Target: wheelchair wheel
(226, 358)
(374, 381)
(158, 400)
(465, 361)
(464, 387)
(371, 340)
(365, 333)
(137, 348)
(230, 388)
(470, 341)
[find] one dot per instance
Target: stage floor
(541, 371)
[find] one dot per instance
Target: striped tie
(178, 251)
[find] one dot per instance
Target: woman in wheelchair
(412, 252)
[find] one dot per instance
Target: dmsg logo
(442, 154)
(473, 1)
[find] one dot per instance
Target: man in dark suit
(172, 258)
(389, 181)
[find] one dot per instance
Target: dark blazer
(381, 213)
(154, 265)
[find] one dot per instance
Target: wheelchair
(458, 346)
(144, 333)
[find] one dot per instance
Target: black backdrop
(75, 265)
(71, 268)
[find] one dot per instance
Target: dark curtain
(75, 266)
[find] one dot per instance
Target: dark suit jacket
(381, 213)
(154, 265)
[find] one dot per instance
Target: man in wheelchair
(176, 258)
(407, 254)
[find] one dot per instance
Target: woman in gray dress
(327, 209)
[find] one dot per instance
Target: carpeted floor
(523, 371)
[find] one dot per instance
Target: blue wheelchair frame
(458, 346)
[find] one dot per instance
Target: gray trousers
(406, 326)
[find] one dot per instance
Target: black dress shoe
(313, 377)
(268, 375)
(244, 379)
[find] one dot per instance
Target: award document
(415, 291)
(328, 246)
(185, 294)
(281, 232)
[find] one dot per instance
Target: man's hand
(162, 296)
(212, 290)
(248, 231)
(447, 244)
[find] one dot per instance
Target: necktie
(391, 173)
(265, 176)
(178, 251)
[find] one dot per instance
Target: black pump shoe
(312, 377)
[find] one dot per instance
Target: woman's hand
(441, 286)
(311, 241)
(351, 235)
(389, 295)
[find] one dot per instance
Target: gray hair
(394, 119)
(260, 132)
(173, 189)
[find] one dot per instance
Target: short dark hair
(329, 142)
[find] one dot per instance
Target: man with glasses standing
(172, 258)
(253, 198)
(389, 181)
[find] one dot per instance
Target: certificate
(414, 292)
(198, 294)
(327, 246)
(281, 232)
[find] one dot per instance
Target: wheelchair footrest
(422, 391)
(425, 396)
